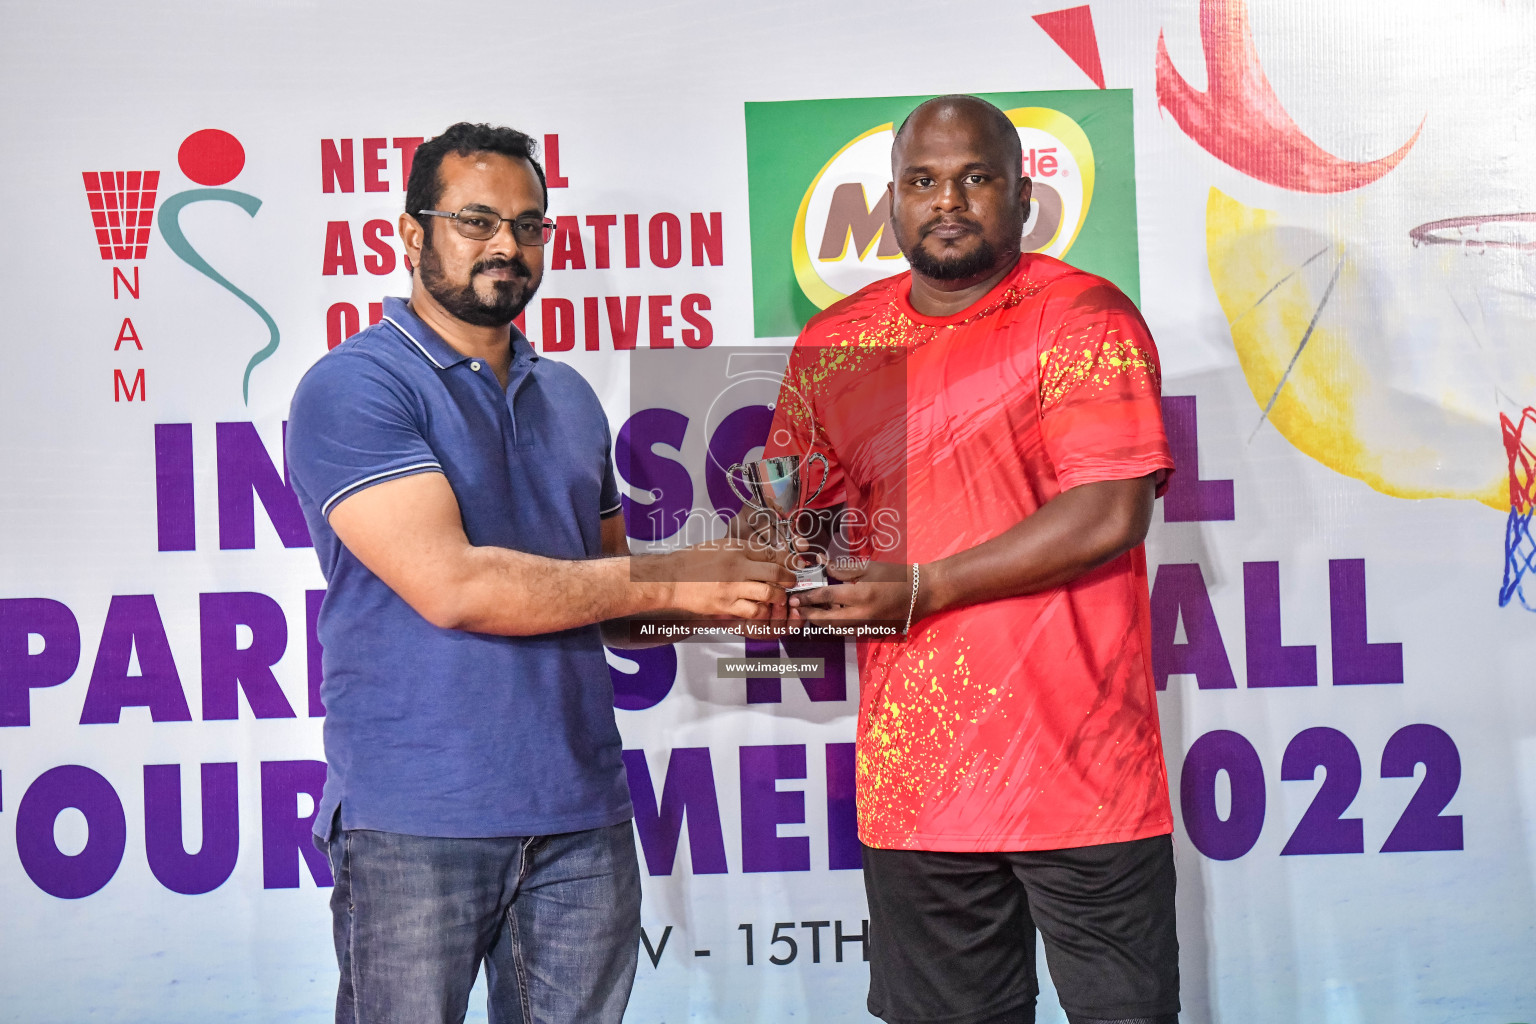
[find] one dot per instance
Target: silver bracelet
(911, 605)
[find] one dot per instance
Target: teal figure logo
(214, 157)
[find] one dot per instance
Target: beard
(955, 268)
(976, 263)
(464, 303)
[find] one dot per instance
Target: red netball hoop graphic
(122, 207)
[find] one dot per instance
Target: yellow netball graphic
(1384, 359)
(842, 238)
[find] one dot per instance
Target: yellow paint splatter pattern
(1097, 363)
(925, 699)
(864, 341)
(890, 326)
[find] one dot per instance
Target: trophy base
(812, 578)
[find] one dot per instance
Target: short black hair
(464, 139)
(1000, 124)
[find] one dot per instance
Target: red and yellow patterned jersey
(1025, 723)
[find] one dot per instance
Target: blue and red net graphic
(1519, 544)
(122, 208)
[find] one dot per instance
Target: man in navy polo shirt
(460, 493)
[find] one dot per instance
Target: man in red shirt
(1002, 411)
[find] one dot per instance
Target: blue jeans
(556, 919)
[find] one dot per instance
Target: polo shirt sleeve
(609, 502)
(1100, 394)
(798, 427)
(353, 425)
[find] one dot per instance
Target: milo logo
(821, 213)
(843, 238)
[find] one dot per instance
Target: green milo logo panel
(817, 173)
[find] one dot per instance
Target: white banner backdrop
(1333, 211)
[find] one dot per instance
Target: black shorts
(952, 935)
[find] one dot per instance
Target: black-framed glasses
(483, 224)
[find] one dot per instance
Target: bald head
(945, 113)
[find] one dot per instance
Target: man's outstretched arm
(409, 532)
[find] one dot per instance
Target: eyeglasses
(482, 225)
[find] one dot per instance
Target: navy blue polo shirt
(441, 732)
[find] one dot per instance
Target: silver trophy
(772, 487)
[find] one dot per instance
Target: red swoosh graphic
(1239, 119)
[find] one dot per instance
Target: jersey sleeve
(797, 428)
(351, 426)
(1100, 389)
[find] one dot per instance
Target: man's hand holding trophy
(775, 490)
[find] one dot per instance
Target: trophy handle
(826, 471)
(730, 478)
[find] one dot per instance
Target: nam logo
(817, 172)
(122, 207)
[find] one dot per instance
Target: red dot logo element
(211, 156)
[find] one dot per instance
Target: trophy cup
(772, 487)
